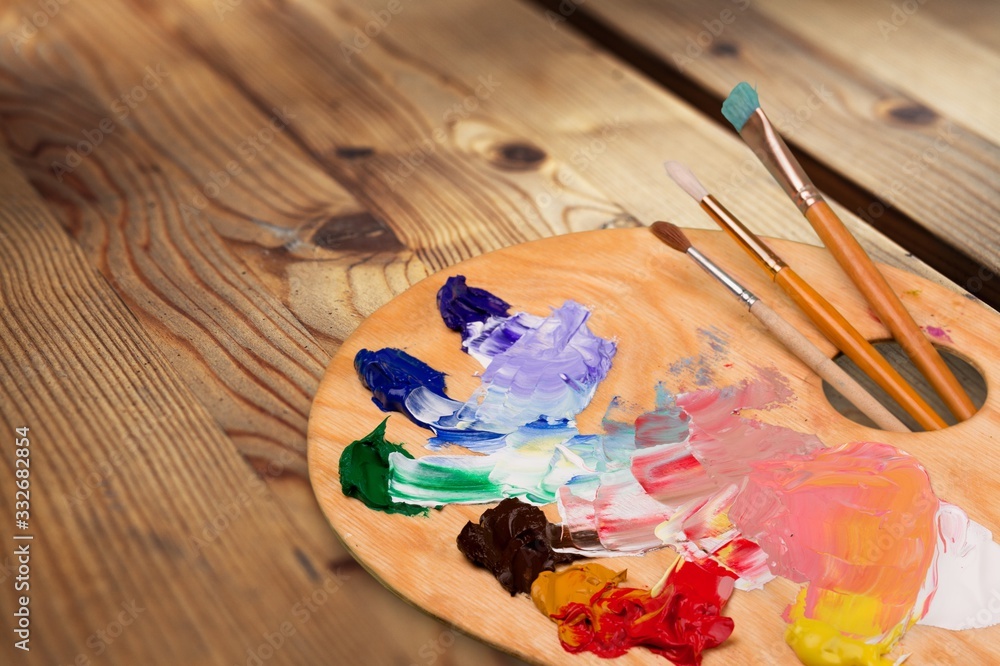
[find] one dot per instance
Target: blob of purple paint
(461, 304)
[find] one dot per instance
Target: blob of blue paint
(392, 374)
(461, 304)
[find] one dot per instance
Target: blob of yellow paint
(818, 644)
(848, 614)
(579, 583)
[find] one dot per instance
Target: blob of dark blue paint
(392, 374)
(461, 304)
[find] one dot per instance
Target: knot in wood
(908, 111)
(518, 156)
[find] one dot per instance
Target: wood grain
(908, 116)
(589, 133)
(142, 511)
(653, 301)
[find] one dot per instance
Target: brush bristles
(740, 105)
(686, 180)
(671, 235)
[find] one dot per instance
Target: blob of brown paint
(510, 541)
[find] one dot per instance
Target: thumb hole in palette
(967, 373)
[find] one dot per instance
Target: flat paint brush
(822, 313)
(742, 109)
(787, 334)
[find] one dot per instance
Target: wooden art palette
(661, 310)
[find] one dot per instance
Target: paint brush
(742, 109)
(822, 313)
(787, 334)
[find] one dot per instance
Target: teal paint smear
(618, 426)
(666, 424)
(625, 432)
(364, 472)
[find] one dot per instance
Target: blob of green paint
(364, 472)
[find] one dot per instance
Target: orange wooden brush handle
(870, 282)
(848, 340)
(834, 375)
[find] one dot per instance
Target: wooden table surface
(201, 199)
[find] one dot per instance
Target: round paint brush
(822, 313)
(787, 334)
(742, 110)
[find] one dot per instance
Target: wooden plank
(581, 117)
(154, 542)
(909, 118)
(192, 247)
(908, 49)
(978, 19)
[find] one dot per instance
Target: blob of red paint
(679, 624)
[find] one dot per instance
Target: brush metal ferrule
(760, 252)
(770, 148)
(745, 295)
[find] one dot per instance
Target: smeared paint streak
(702, 527)
(626, 516)
(679, 624)
(701, 367)
(726, 443)
(484, 340)
(460, 304)
(531, 466)
(392, 375)
(576, 584)
(819, 518)
(511, 542)
(720, 444)
(364, 472)
(716, 338)
(939, 333)
(618, 427)
(666, 424)
(745, 558)
(561, 384)
(965, 580)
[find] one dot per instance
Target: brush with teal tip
(742, 102)
(742, 110)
